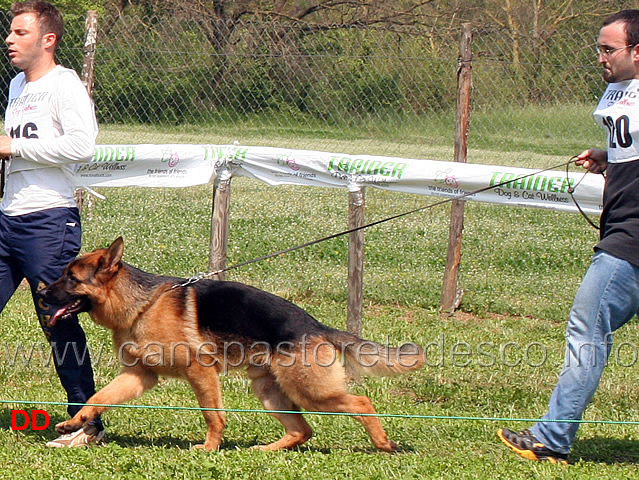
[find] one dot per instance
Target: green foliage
(161, 70)
(171, 99)
(65, 6)
(252, 92)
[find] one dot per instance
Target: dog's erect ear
(113, 255)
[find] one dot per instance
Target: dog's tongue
(54, 318)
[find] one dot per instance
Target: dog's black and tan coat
(200, 330)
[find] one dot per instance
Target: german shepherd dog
(161, 326)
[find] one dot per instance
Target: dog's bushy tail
(372, 358)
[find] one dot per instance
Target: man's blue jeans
(607, 298)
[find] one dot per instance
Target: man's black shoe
(526, 445)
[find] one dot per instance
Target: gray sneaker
(81, 438)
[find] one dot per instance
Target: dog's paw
(210, 447)
(392, 447)
(203, 446)
(69, 426)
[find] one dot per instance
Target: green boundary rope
(346, 414)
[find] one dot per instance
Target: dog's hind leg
(348, 403)
(319, 384)
(205, 382)
(265, 387)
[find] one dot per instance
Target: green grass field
(497, 358)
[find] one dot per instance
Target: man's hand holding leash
(594, 160)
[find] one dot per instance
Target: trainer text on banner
(181, 165)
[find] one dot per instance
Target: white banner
(180, 165)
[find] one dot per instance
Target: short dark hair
(49, 17)
(630, 19)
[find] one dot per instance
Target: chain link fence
(385, 91)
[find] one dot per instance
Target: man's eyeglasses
(606, 51)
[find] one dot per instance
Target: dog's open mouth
(78, 305)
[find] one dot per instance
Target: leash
(204, 275)
(571, 190)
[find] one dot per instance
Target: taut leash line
(201, 276)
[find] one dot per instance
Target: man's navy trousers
(37, 246)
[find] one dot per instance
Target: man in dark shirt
(609, 294)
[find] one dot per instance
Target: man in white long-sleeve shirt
(50, 125)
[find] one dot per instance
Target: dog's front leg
(129, 384)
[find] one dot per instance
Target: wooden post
(220, 223)
(90, 41)
(88, 70)
(356, 212)
(451, 296)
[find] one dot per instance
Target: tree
(220, 18)
(539, 20)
